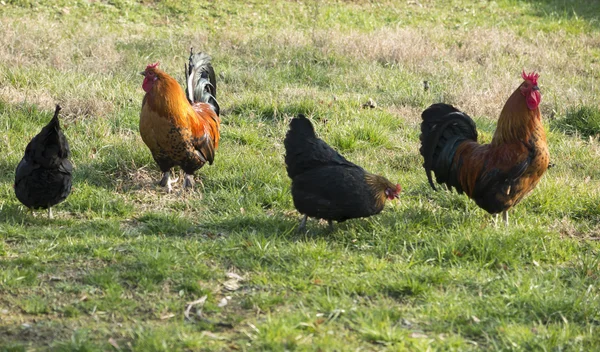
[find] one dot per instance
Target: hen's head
(530, 90)
(150, 76)
(393, 192)
(383, 188)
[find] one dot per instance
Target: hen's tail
(55, 123)
(305, 151)
(49, 147)
(298, 156)
(300, 129)
(52, 135)
(201, 85)
(443, 129)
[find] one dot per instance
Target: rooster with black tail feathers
(496, 175)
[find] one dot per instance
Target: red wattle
(147, 84)
(533, 99)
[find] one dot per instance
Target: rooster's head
(150, 76)
(530, 90)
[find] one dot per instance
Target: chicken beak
(143, 73)
(535, 88)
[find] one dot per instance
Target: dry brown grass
(571, 229)
(47, 42)
(41, 97)
(478, 68)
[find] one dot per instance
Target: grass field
(118, 266)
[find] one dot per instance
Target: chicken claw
(188, 181)
(167, 181)
(302, 223)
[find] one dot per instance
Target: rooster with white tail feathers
(181, 128)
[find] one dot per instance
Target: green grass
(118, 266)
(584, 120)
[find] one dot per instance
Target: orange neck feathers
(167, 97)
(517, 121)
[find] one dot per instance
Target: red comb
(533, 77)
(153, 65)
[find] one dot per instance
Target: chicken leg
(167, 181)
(504, 219)
(302, 223)
(50, 216)
(188, 181)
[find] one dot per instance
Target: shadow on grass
(100, 174)
(15, 337)
(286, 226)
(568, 9)
(265, 224)
(15, 213)
(174, 224)
(21, 225)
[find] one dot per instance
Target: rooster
(181, 128)
(43, 177)
(497, 175)
(327, 186)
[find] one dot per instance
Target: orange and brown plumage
(496, 175)
(181, 130)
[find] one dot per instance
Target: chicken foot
(167, 181)
(188, 181)
(504, 218)
(302, 223)
(302, 226)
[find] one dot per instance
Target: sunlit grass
(118, 266)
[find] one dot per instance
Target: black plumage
(327, 186)
(43, 177)
(443, 129)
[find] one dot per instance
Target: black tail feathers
(49, 146)
(305, 151)
(55, 122)
(52, 133)
(443, 129)
(301, 127)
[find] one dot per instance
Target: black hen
(327, 186)
(43, 177)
